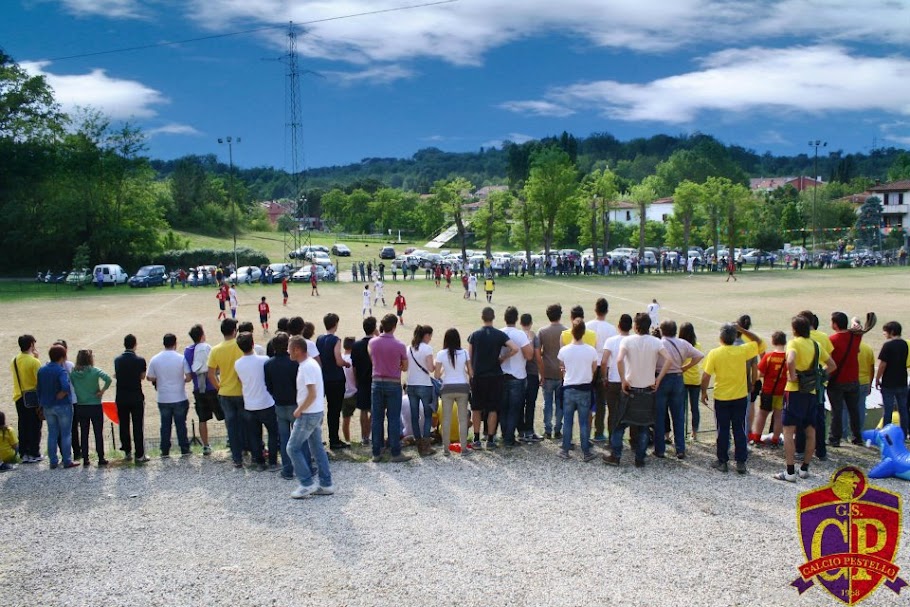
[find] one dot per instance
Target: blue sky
(765, 74)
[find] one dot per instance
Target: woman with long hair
(692, 377)
(453, 366)
(420, 386)
(87, 380)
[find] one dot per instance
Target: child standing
(489, 285)
(9, 445)
(221, 296)
(472, 286)
(284, 289)
(314, 290)
(264, 313)
(773, 369)
(349, 404)
(400, 306)
(366, 307)
(448, 278)
(232, 297)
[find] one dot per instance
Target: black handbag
(813, 379)
(29, 397)
(637, 408)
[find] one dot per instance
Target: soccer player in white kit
(366, 302)
(377, 291)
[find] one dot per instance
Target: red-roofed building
(895, 197)
(769, 184)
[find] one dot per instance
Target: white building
(627, 212)
(895, 198)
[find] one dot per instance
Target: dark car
(149, 276)
(341, 250)
(387, 253)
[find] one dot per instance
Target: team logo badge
(850, 532)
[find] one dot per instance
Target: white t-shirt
(653, 309)
(309, 373)
(232, 296)
(378, 288)
(416, 376)
(169, 369)
(516, 365)
(366, 299)
(258, 350)
(639, 354)
(472, 284)
(453, 374)
(612, 345)
(603, 330)
(311, 350)
(201, 358)
(350, 382)
(577, 360)
(70, 365)
(250, 371)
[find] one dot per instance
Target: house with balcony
(895, 198)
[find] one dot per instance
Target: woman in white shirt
(420, 386)
(453, 366)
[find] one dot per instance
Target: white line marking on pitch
(635, 301)
(147, 314)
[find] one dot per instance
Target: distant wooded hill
(631, 160)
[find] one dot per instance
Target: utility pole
(817, 143)
(230, 143)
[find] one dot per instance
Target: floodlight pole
(230, 143)
(816, 145)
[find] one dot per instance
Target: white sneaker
(783, 476)
(28, 459)
(325, 490)
(803, 473)
(302, 492)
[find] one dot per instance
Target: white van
(112, 273)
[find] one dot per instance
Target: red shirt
(847, 362)
(263, 309)
(400, 303)
(284, 284)
(773, 369)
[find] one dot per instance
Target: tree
(686, 199)
(450, 197)
(490, 221)
(901, 167)
(28, 109)
(642, 196)
(551, 184)
(599, 191)
(868, 224)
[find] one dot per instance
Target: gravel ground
(518, 527)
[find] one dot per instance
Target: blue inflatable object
(895, 457)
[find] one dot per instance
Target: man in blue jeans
(307, 428)
(389, 360)
(223, 377)
(515, 374)
(281, 382)
(169, 373)
(891, 375)
(550, 344)
(671, 396)
(54, 397)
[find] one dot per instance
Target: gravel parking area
(518, 527)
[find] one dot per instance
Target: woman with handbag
(420, 386)
(453, 365)
(86, 379)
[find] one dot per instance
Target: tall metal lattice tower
(295, 132)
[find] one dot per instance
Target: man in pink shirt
(389, 360)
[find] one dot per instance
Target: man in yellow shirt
(801, 410)
(590, 338)
(727, 364)
(224, 378)
(24, 370)
(824, 343)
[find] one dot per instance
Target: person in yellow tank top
(489, 285)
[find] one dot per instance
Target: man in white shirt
(637, 361)
(308, 424)
(258, 404)
(515, 376)
(472, 286)
(654, 313)
(169, 373)
(378, 294)
(579, 361)
(366, 308)
(611, 378)
(603, 331)
(232, 299)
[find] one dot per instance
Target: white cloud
(803, 79)
(119, 99)
(897, 131)
(380, 74)
(173, 128)
(537, 107)
(116, 9)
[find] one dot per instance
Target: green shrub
(199, 257)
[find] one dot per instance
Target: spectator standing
(579, 361)
(891, 376)
(515, 377)
(169, 372)
(129, 371)
(610, 371)
(24, 370)
(671, 395)
(550, 343)
(420, 387)
(204, 393)
(389, 358)
(281, 382)
(333, 366)
(453, 366)
(54, 397)
(363, 375)
(488, 348)
(843, 385)
(603, 331)
(258, 404)
(86, 379)
(534, 369)
(307, 430)
(223, 376)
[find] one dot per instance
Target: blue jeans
(526, 421)
(307, 434)
(253, 422)
(580, 401)
(176, 413)
(731, 414)
(890, 396)
(232, 406)
(385, 402)
(417, 396)
(59, 420)
(694, 394)
(864, 391)
(552, 392)
(616, 442)
(513, 395)
(671, 394)
(285, 416)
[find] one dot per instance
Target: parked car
(319, 257)
(112, 274)
(280, 271)
(246, 274)
(149, 276)
(760, 256)
(341, 250)
(79, 277)
(303, 274)
(387, 253)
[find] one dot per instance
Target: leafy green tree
(28, 109)
(490, 220)
(869, 221)
(451, 196)
(642, 195)
(551, 184)
(900, 169)
(654, 235)
(686, 201)
(598, 191)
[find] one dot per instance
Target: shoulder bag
(29, 397)
(437, 385)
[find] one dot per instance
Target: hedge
(204, 257)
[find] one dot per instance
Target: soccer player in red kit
(264, 313)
